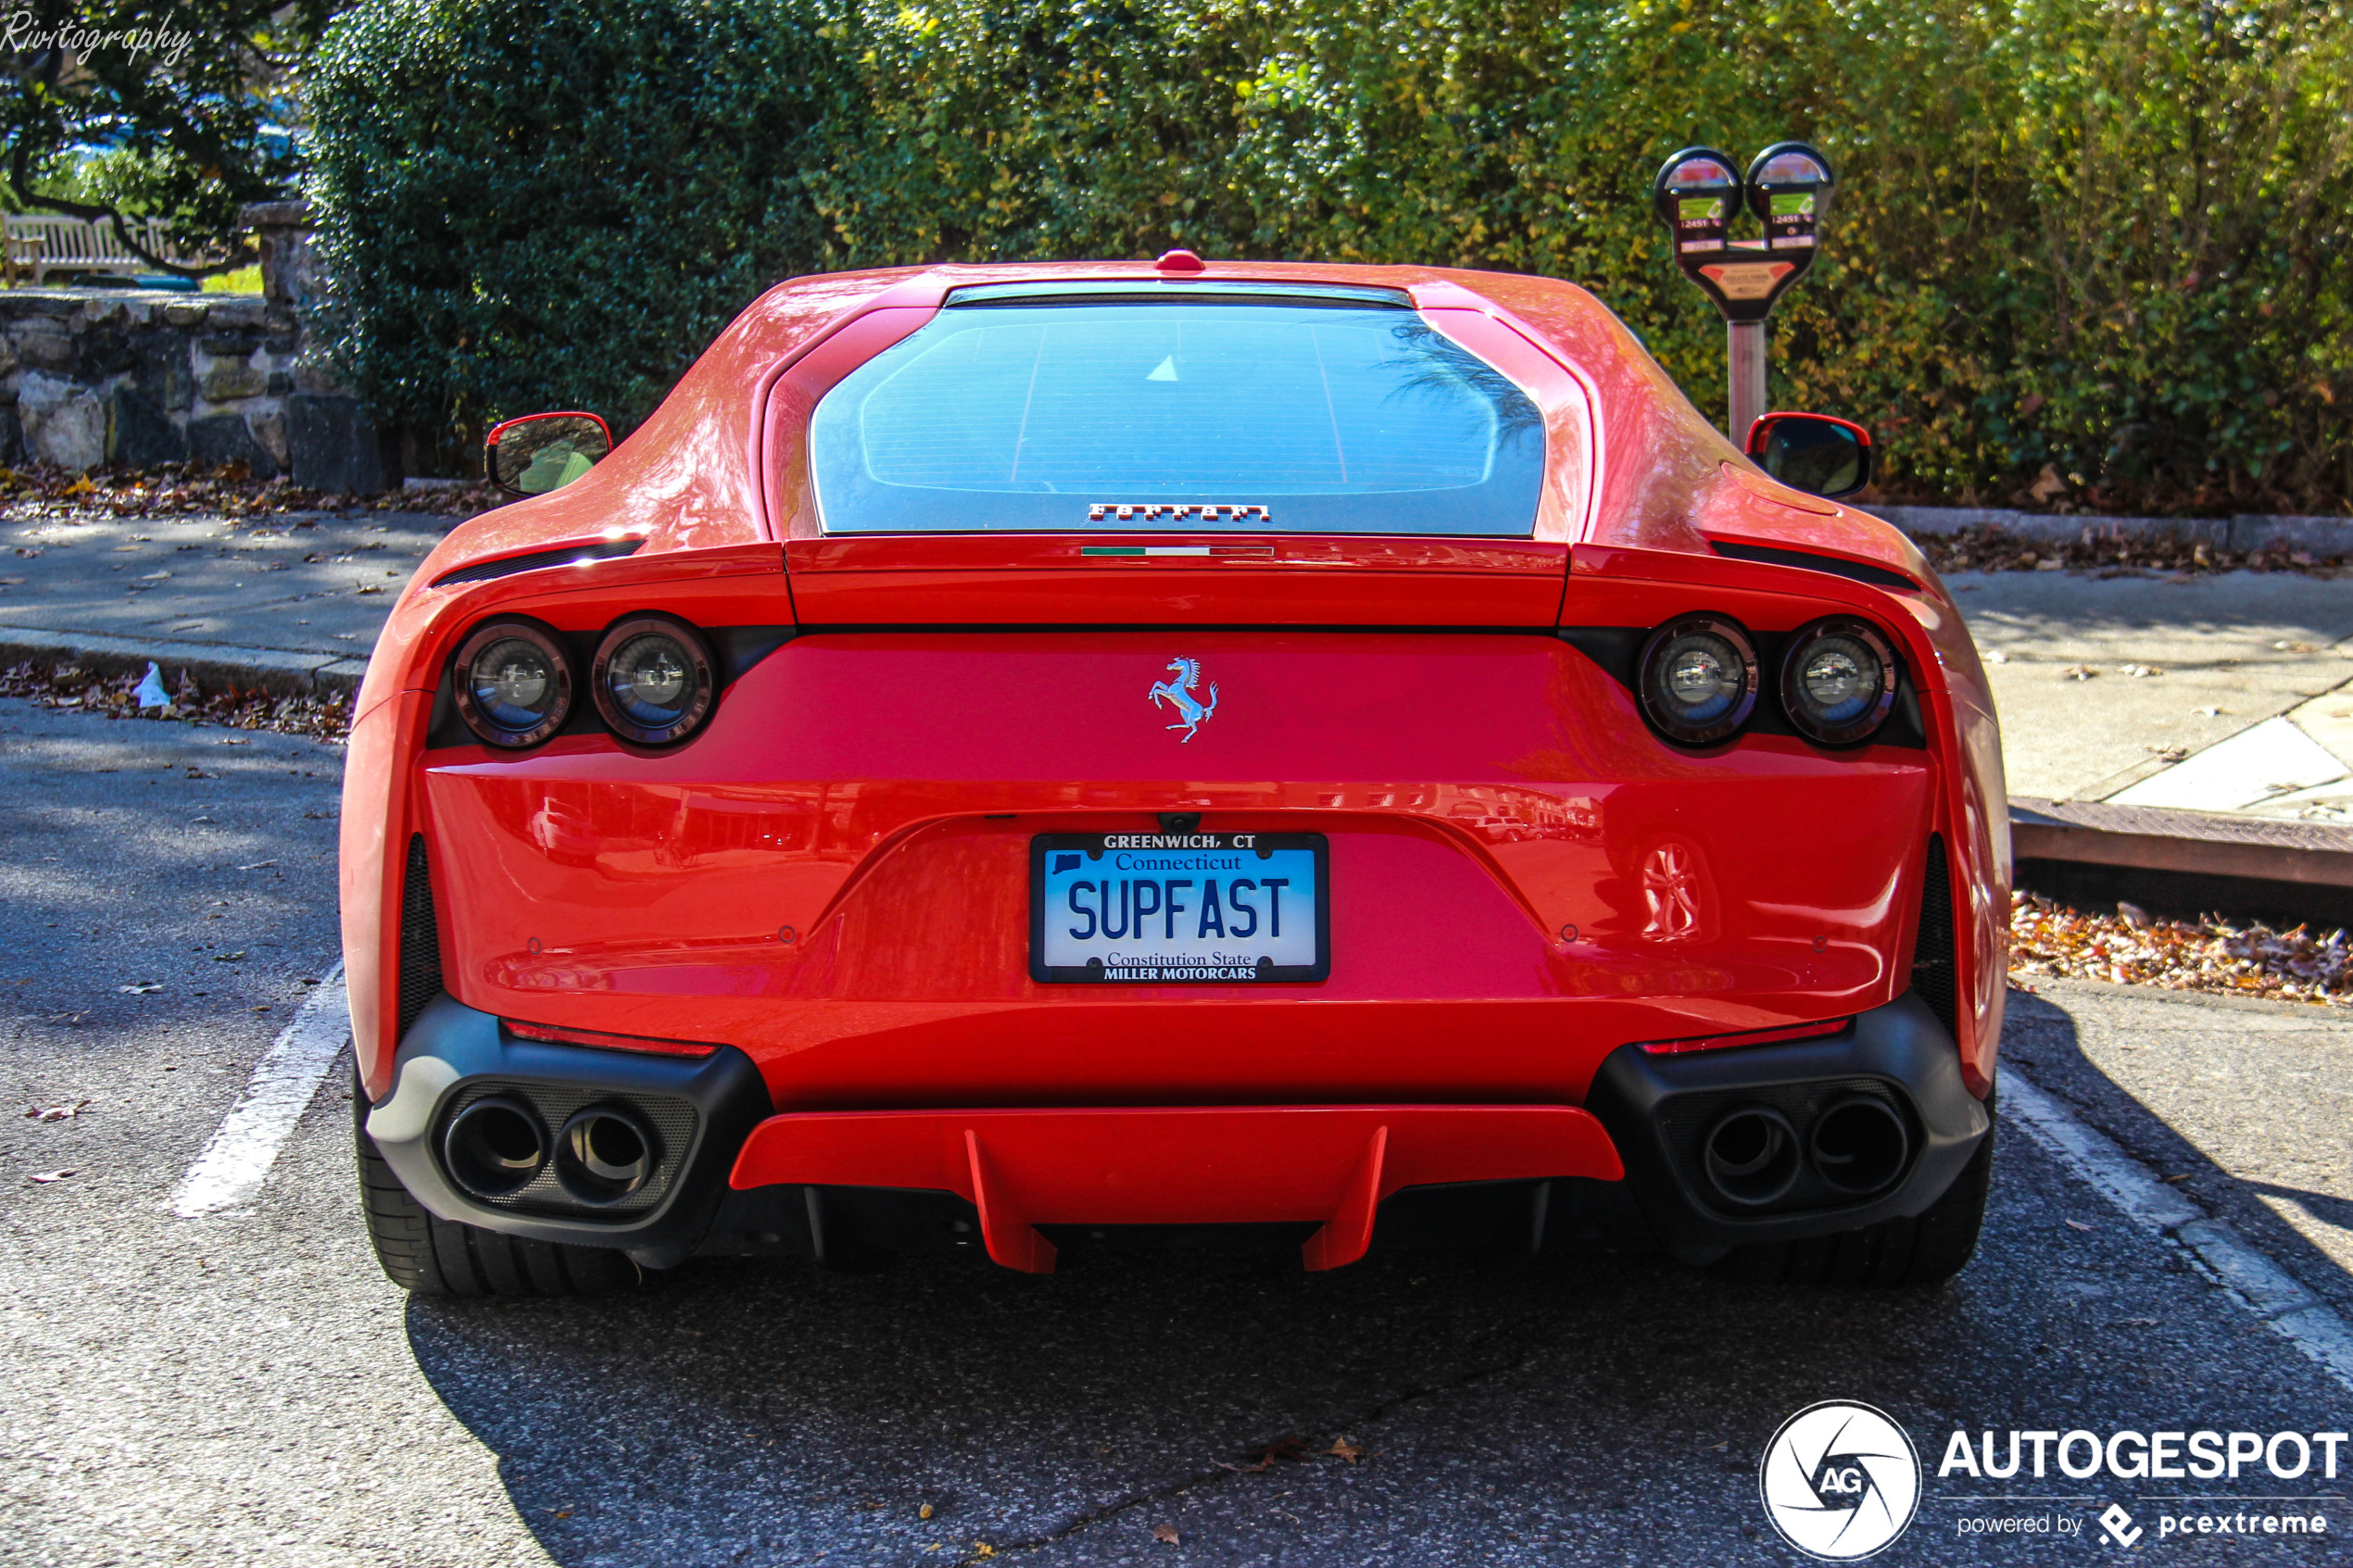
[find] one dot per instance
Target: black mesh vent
(483, 571)
(420, 937)
(1932, 955)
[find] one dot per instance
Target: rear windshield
(1346, 415)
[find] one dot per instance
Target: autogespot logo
(1839, 1480)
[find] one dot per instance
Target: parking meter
(1696, 194)
(1789, 189)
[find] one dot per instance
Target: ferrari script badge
(1178, 694)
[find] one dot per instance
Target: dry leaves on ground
(2225, 957)
(228, 490)
(1164, 1533)
(1264, 1456)
(67, 686)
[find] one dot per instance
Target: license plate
(1171, 909)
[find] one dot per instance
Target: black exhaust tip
(493, 1147)
(1860, 1146)
(603, 1155)
(1751, 1156)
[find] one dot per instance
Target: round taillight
(1698, 679)
(1838, 681)
(513, 683)
(652, 679)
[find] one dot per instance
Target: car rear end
(1325, 750)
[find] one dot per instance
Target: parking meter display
(1789, 189)
(1697, 194)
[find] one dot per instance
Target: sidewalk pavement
(2180, 722)
(289, 603)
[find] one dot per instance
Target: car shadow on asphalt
(760, 1410)
(760, 1407)
(2041, 1037)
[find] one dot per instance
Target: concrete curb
(2241, 534)
(288, 672)
(2164, 839)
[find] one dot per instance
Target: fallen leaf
(58, 1112)
(2079, 672)
(228, 958)
(982, 1549)
(1264, 1456)
(925, 1511)
(140, 989)
(2080, 1225)
(200, 774)
(1165, 1534)
(47, 1177)
(1343, 1448)
(2134, 916)
(2170, 1180)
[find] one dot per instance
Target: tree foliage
(184, 97)
(2100, 243)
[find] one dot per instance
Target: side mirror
(542, 452)
(1815, 453)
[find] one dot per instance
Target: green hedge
(2100, 244)
(538, 202)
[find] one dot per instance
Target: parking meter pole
(1745, 358)
(1696, 195)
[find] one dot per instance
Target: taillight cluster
(1699, 679)
(652, 679)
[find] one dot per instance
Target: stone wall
(135, 378)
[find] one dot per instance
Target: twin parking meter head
(1698, 193)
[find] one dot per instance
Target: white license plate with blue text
(1176, 908)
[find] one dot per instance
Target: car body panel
(831, 878)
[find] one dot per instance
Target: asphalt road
(246, 1387)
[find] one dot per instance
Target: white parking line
(2213, 1247)
(230, 1168)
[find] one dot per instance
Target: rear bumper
(1187, 1165)
(731, 1176)
(1659, 1109)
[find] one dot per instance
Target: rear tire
(426, 1255)
(1927, 1250)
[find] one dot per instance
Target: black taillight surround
(621, 639)
(1801, 645)
(733, 651)
(486, 720)
(1651, 679)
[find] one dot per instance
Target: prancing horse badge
(1178, 694)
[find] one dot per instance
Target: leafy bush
(2096, 247)
(531, 204)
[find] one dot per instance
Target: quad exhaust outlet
(1858, 1146)
(1751, 1156)
(493, 1147)
(604, 1155)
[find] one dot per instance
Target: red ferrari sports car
(1010, 755)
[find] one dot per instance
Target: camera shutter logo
(1839, 1480)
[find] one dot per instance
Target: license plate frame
(1282, 850)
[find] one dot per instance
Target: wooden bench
(42, 243)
